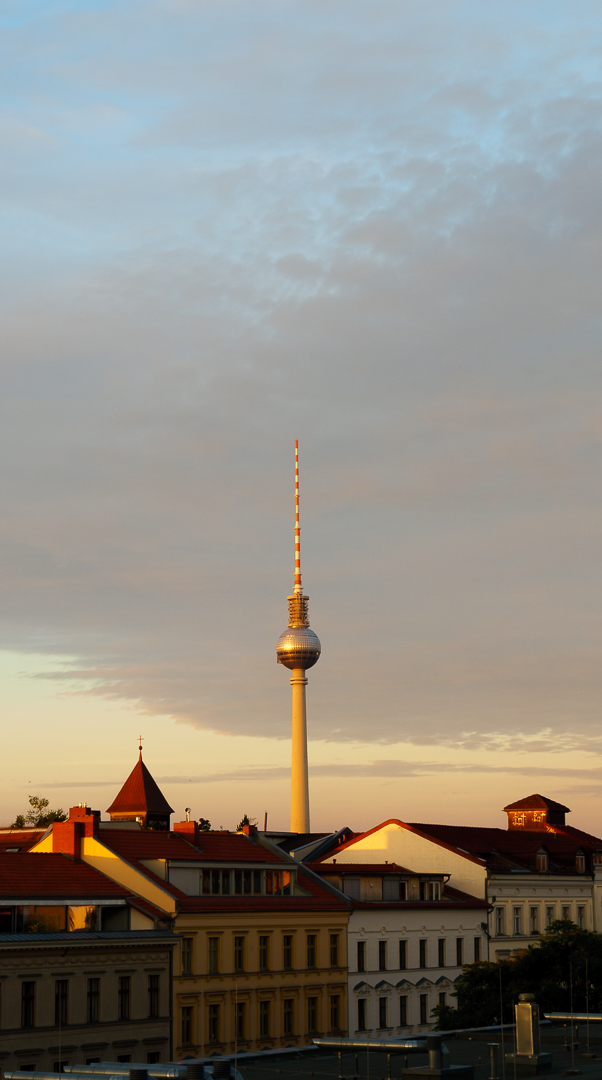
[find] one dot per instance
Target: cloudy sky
(375, 227)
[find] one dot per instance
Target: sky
(370, 226)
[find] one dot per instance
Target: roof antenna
(298, 587)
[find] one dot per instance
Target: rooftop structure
(140, 799)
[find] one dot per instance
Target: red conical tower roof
(140, 794)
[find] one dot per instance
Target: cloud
(378, 237)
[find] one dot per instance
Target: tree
(245, 820)
(549, 969)
(204, 824)
(38, 816)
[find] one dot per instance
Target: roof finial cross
(140, 740)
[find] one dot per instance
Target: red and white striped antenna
(298, 586)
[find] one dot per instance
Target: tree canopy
(39, 816)
(553, 969)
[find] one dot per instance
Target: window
(213, 1024)
(382, 956)
(394, 889)
(335, 1001)
(311, 950)
(550, 916)
(382, 1012)
(443, 998)
(288, 1013)
(459, 951)
(239, 954)
(312, 1014)
(213, 955)
(403, 1010)
(264, 952)
(334, 950)
(430, 890)
(240, 1018)
(534, 920)
(424, 1008)
(361, 1014)
(441, 952)
(566, 913)
(541, 862)
(264, 1019)
(153, 995)
(352, 887)
(186, 1025)
(59, 1066)
(123, 997)
(287, 952)
(124, 1057)
(28, 1004)
(93, 1001)
(500, 922)
(477, 950)
(422, 953)
(153, 1057)
(517, 920)
(580, 863)
(581, 918)
(187, 956)
(61, 991)
(403, 955)
(361, 956)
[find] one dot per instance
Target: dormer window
(430, 890)
(580, 862)
(541, 861)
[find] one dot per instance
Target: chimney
(189, 829)
(67, 837)
(249, 830)
(89, 818)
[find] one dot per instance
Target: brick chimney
(67, 837)
(189, 829)
(249, 830)
(89, 818)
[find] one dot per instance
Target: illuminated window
(518, 819)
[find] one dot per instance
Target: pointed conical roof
(140, 794)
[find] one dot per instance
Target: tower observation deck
(298, 648)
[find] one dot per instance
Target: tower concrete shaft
(299, 764)
(298, 648)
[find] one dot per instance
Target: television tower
(298, 648)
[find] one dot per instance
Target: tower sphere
(298, 647)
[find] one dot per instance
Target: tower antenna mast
(298, 649)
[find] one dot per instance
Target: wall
(48, 959)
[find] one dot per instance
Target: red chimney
(89, 818)
(249, 830)
(67, 837)
(189, 829)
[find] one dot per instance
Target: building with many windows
(263, 956)
(409, 935)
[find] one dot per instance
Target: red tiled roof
(53, 876)
(359, 868)
(503, 849)
(140, 793)
(147, 844)
(211, 847)
(537, 802)
(22, 839)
